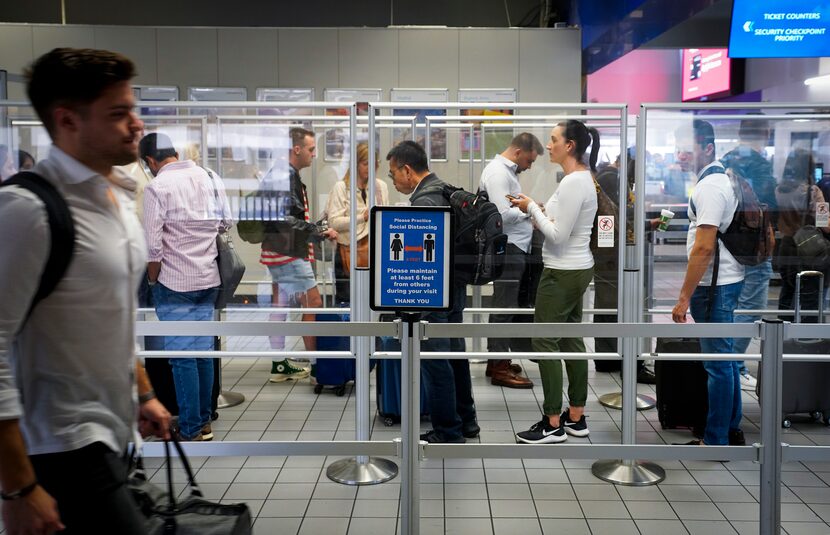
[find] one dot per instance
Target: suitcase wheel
(827, 421)
(818, 416)
(340, 391)
(318, 389)
(786, 424)
(388, 422)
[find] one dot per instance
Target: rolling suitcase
(389, 385)
(805, 385)
(335, 373)
(682, 387)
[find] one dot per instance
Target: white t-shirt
(713, 202)
(567, 223)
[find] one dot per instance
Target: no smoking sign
(605, 231)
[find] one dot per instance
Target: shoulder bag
(231, 266)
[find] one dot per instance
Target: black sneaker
(542, 433)
(470, 429)
(646, 376)
(736, 437)
(578, 428)
(434, 437)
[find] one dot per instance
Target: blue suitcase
(389, 385)
(334, 373)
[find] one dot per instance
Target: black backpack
(480, 242)
(749, 237)
(61, 230)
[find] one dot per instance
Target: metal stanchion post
(226, 398)
(410, 424)
(361, 470)
(628, 471)
(772, 347)
(614, 400)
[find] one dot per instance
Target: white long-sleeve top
(68, 374)
(567, 221)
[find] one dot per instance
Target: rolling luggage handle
(797, 298)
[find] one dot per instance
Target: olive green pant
(559, 300)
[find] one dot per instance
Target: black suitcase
(682, 387)
(805, 385)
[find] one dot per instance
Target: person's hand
(653, 223)
(330, 234)
(35, 514)
(366, 215)
(521, 202)
(154, 419)
(678, 313)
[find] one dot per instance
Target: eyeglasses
(391, 173)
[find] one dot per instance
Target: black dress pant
(89, 485)
(516, 288)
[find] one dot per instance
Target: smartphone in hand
(511, 197)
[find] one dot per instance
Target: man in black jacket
(287, 249)
(451, 406)
(747, 161)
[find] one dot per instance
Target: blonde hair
(362, 156)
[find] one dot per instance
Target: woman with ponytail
(566, 222)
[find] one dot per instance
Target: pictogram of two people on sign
(397, 247)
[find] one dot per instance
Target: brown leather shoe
(509, 379)
(503, 375)
(488, 372)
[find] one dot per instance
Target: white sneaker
(748, 382)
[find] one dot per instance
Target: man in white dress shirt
(514, 289)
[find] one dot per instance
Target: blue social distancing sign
(412, 258)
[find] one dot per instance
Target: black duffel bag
(191, 516)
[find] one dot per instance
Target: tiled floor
(291, 496)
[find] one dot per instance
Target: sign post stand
(411, 268)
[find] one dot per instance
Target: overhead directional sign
(779, 29)
(412, 258)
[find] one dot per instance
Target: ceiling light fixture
(817, 80)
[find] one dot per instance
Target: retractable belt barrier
(770, 452)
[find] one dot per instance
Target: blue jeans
(448, 384)
(193, 377)
(724, 375)
(754, 296)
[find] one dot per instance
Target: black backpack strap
(61, 230)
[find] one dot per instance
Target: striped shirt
(272, 258)
(182, 217)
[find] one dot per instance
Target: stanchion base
(350, 472)
(229, 399)
(614, 401)
(629, 473)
